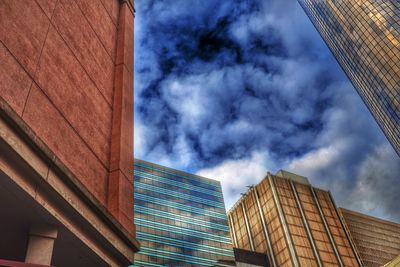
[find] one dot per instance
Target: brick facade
(67, 71)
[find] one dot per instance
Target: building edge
(19, 138)
(377, 120)
(31, 167)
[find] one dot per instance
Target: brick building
(66, 133)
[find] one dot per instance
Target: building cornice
(131, 5)
(42, 151)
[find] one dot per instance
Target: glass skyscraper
(180, 218)
(364, 36)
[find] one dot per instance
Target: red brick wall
(66, 68)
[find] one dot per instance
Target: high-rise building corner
(364, 37)
(292, 222)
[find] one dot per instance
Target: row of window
(178, 175)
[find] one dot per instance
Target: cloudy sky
(232, 89)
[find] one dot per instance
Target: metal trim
(265, 229)
(327, 227)
(305, 222)
(246, 220)
(283, 221)
(346, 231)
(233, 231)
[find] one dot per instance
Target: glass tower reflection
(180, 218)
(364, 36)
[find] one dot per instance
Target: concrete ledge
(131, 5)
(7, 263)
(60, 192)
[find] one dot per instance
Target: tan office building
(376, 240)
(292, 222)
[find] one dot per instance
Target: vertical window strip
(305, 222)
(265, 229)
(283, 221)
(326, 227)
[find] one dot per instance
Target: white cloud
(186, 97)
(353, 160)
(205, 108)
(315, 160)
(236, 175)
(377, 187)
(139, 144)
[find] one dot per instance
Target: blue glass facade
(180, 218)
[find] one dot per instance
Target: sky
(233, 89)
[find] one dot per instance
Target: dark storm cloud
(220, 84)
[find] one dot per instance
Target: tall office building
(66, 126)
(292, 222)
(376, 240)
(180, 217)
(364, 36)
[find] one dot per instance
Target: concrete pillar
(41, 244)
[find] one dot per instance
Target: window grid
(377, 241)
(297, 230)
(338, 234)
(304, 251)
(364, 36)
(179, 225)
(241, 231)
(275, 229)
(317, 228)
(255, 224)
